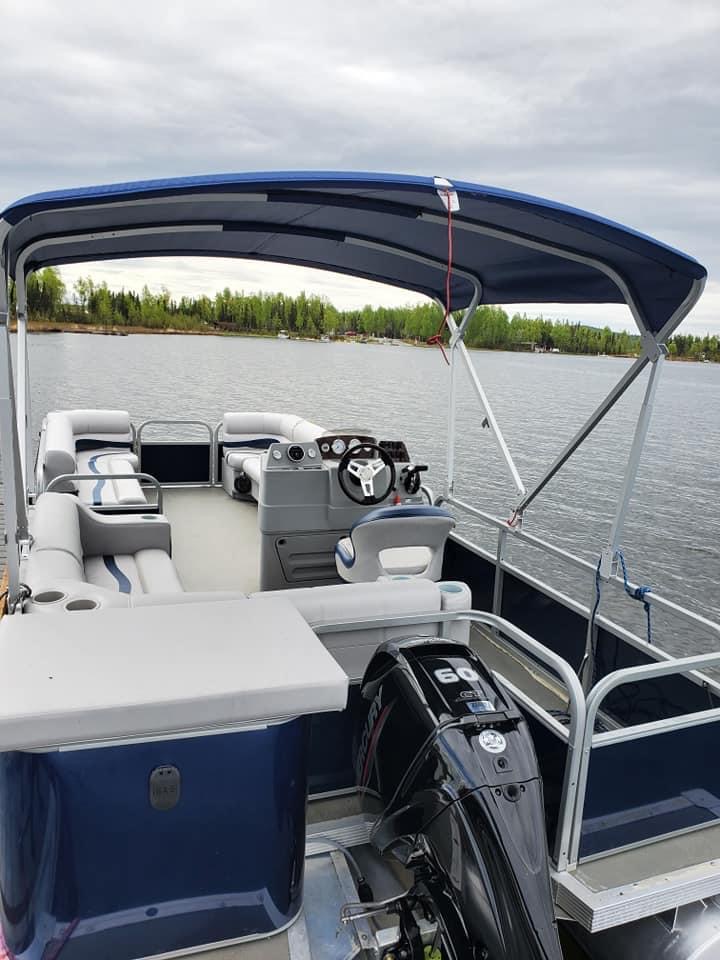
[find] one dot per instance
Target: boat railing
(663, 758)
(507, 533)
(570, 736)
(144, 478)
(202, 424)
(642, 782)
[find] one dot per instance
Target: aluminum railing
(113, 507)
(579, 735)
(592, 740)
(506, 533)
(574, 732)
(180, 423)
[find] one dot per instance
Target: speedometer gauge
(338, 447)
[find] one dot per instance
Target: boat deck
(643, 881)
(215, 539)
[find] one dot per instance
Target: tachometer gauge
(354, 442)
(338, 447)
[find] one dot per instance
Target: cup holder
(49, 596)
(81, 604)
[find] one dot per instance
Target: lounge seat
(407, 540)
(245, 438)
(353, 649)
(78, 555)
(82, 560)
(95, 442)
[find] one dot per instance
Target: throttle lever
(411, 477)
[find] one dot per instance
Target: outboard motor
(446, 759)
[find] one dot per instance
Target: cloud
(613, 108)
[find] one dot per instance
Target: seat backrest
(57, 451)
(64, 431)
(394, 528)
(257, 430)
(353, 649)
(101, 425)
(55, 525)
(56, 551)
(306, 431)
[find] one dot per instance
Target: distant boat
(283, 335)
(324, 338)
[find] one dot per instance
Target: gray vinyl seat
(95, 443)
(354, 648)
(402, 540)
(246, 437)
(77, 554)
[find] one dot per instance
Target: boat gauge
(295, 453)
(277, 455)
(311, 453)
(338, 447)
(325, 447)
(354, 442)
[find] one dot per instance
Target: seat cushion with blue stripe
(72, 543)
(107, 490)
(79, 441)
(147, 571)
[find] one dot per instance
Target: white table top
(154, 671)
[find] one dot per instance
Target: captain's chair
(392, 541)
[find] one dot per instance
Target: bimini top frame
(508, 248)
(521, 248)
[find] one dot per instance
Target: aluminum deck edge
(600, 910)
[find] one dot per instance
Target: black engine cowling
(445, 758)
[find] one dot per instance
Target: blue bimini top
(508, 247)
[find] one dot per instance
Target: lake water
(672, 537)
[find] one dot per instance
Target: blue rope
(639, 593)
(598, 587)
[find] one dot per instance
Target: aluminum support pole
(608, 403)
(490, 417)
(631, 469)
(15, 512)
(456, 345)
(22, 389)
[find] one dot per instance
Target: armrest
(122, 533)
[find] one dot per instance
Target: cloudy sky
(610, 106)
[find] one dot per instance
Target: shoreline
(95, 329)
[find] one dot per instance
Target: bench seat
(97, 442)
(79, 555)
(353, 649)
(246, 437)
(147, 571)
(108, 490)
(82, 560)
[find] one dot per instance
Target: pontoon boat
(257, 692)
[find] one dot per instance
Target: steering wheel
(364, 462)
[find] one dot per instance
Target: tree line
(311, 316)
